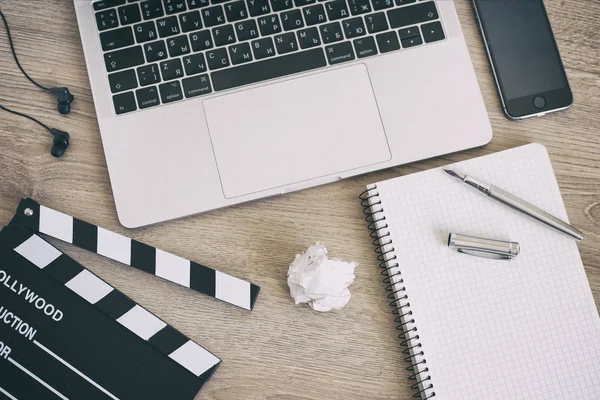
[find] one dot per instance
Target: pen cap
(483, 247)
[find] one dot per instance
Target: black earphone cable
(26, 116)
(12, 47)
(14, 53)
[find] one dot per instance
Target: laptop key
(122, 81)
(404, 2)
(236, 11)
(223, 35)
(201, 40)
(331, 32)
(155, 51)
(148, 74)
(336, 9)
(302, 3)
(196, 86)
(107, 20)
(178, 46)
(382, 4)
(124, 58)
(309, 38)
(195, 4)
(170, 92)
(408, 32)
(246, 30)
(130, 14)
(263, 48)
(124, 103)
(292, 20)
(258, 7)
(168, 26)
(101, 5)
(145, 32)
(171, 69)
(420, 12)
(116, 39)
(432, 32)
(152, 9)
(272, 68)
(365, 47)
(240, 53)
(339, 53)
(410, 42)
(387, 41)
(314, 14)
(354, 27)
(358, 7)
(376, 22)
(286, 43)
(280, 5)
(190, 21)
(269, 25)
(147, 97)
(213, 16)
(217, 58)
(194, 64)
(174, 6)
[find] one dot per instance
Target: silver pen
(518, 204)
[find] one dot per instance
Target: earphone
(63, 96)
(61, 138)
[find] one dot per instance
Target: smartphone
(525, 61)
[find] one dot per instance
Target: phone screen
(522, 49)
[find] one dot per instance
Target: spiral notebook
(476, 328)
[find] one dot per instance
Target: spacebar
(268, 69)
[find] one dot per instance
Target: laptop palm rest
(286, 133)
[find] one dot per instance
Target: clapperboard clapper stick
(138, 255)
(67, 334)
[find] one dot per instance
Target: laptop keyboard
(162, 51)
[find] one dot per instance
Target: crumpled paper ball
(320, 281)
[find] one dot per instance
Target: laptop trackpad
(293, 131)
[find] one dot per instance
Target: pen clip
(486, 254)
(482, 247)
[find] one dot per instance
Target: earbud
(61, 142)
(65, 98)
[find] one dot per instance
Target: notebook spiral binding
(369, 200)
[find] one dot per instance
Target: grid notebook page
(494, 329)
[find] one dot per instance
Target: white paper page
(493, 329)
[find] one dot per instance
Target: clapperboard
(67, 334)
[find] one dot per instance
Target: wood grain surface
(279, 351)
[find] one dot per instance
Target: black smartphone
(525, 61)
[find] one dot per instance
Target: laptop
(204, 104)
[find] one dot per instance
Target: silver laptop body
(203, 104)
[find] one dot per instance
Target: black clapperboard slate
(65, 333)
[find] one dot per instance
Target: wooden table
(279, 351)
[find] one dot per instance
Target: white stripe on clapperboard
(114, 246)
(56, 224)
(89, 286)
(10, 396)
(141, 322)
(172, 268)
(35, 250)
(106, 392)
(28, 372)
